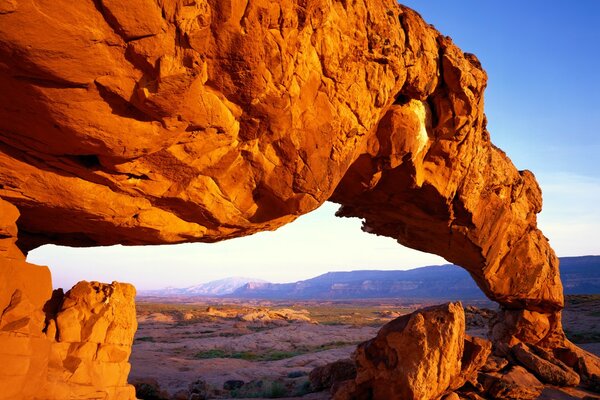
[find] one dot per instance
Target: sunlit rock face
(203, 121)
(55, 346)
(146, 122)
(416, 356)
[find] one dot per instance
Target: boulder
(416, 356)
(475, 354)
(516, 384)
(548, 370)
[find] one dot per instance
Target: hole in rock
(90, 161)
(311, 292)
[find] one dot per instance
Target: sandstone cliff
(169, 121)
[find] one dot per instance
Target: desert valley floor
(235, 349)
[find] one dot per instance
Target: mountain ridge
(580, 275)
(218, 287)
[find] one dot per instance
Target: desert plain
(230, 348)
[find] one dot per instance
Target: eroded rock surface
(416, 356)
(205, 120)
(92, 334)
(55, 347)
(147, 122)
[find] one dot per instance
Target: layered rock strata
(170, 121)
(202, 121)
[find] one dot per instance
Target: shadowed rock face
(147, 122)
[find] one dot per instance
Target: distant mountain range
(580, 275)
(219, 287)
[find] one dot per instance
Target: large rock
(54, 347)
(93, 331)
(416, 356)
(545, 367)
(516, 384)
(475, 355)
(24, 289)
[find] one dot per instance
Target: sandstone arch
(170, 121)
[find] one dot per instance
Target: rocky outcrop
(422, 355)
(24, 289)
(547, 368)
(427, 355)
(148, 122)
(93, 332)
(55, 347)
(516, 384)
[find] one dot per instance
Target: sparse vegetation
(271, 389)
(583, 336)
(144, 339)
(268, 355)
(189, 326)
(352, 314)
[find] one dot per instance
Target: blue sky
(543, 108)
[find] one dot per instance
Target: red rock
(416, 356)
(494, 364)
(72, 347)
(24, 288)
(374, 110)
(474, 357)
(516, 384)
(550, 371)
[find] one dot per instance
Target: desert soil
(212, 346)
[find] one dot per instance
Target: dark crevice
(381, 60)
(122, 107)
(433, 111)
(142, 177)
(134, 38)
(50, 83)
(89, 161)
(401, 99)
(51, 309)
(404, 26)
(110, 19)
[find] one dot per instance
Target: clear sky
(543, 108)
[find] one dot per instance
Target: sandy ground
(167, 351)
(174, 349)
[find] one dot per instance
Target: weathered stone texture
(169, 121)
(54, 347)
(416, 356)
(163, 122)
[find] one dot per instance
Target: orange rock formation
(55, 346)
(422, 355)
(417, 356)
(147, 122)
